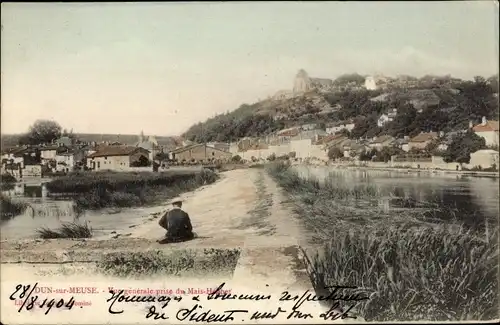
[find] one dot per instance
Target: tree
(334, 153)
(367, 155)
(143, 161)
(42, 131)
(236, 159)
(462, 146)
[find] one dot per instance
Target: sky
(161, 67)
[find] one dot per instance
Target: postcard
(249, 162)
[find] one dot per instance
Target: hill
(437, 104)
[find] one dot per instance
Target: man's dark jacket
(177, 224)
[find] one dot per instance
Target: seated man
(177, 224)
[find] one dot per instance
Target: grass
(171, 262)
(413, 270)
(67, 230)
(10, 209)
(7, 178)
(96, 190)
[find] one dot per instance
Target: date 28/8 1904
(24, 292)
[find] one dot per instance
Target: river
(46, 211)
(467, 199)
(473, 200)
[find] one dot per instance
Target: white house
(118, 158)
(370, 83)
(308, 127)
(485, 158)
(385, 118)
(333, 129)
(487, 130)
(48, 153)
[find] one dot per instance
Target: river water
(46, 211)
(467, 199)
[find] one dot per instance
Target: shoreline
(408, 170)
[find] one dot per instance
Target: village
(307, 143)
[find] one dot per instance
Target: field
(412, 269)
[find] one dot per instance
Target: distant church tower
(370, 83)
(141, 137)
(302, 82)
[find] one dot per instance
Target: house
(339, 126)
(48, 153)
(68, 160)
(199, 153)
(118, 158)
(487, 130)
(329, 140)
(380, 142)
(421, 141)
(219, 145)
(485, 158)
(13, 159)
(403, 143)
(287, 134)
(309, 134)
(387, 117)
(245, 143)
(352, 148)
(307, 127)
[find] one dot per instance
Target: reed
(9, 208)
(413, 269)
(67, 230)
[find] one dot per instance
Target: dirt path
(244, 209)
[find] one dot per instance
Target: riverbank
(97, 190)
(398, 254)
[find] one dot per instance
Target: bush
(334, 153)
(67, 230)
(236, 159)
(10, 209)
(96, 190)
(7, 178)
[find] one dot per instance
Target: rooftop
(488, 126)
(423, 137)
(115, 151)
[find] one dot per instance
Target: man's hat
(177, 201)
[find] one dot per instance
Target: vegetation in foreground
(7, 178)
(67, 230)
(173, 262)
(96, 190)
(10, 209)
(411, 270)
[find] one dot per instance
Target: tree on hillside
(42, 131)
(350, 78)
(462, 146)
(334, 153)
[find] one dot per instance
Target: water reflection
(46, 211)
(470, 200)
